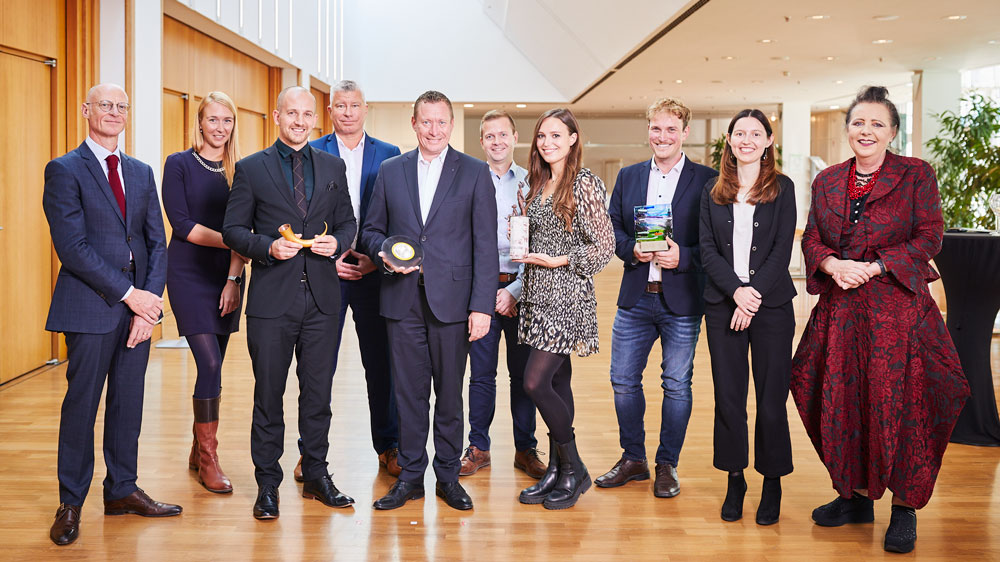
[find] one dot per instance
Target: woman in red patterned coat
(876, 377)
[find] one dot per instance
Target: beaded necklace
(859, 185)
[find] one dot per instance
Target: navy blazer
(461, 262)
(259, 202)
(93, 240)
(375, 153)
(770, 249)
(682, 286)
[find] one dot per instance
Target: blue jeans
(632, 338)
(483, 356)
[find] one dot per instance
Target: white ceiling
(575, 44)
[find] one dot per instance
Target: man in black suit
(293, 303)
(104, 216)
(660, 299)
(444, 200)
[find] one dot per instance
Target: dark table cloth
(969, 264)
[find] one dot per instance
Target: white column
(795, 144)
(147, 85)
(112, 49)
(934, 91)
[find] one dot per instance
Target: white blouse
(742, 236)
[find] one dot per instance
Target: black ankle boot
(732, 508)
(902, 532)
(769, 509)
(573, 478)
(536, 493)
(856, 509)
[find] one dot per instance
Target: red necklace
(854, 191)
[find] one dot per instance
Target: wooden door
(25, 245)
(252, 131)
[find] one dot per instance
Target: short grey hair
(346, 86)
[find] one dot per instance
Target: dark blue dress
(196, 274)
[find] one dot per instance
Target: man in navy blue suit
(359, 282)
(106, 226)
(444, 200)
(660, 298)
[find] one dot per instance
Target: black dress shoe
(266, 506)
(856, 509)
(902, 532)
(66, 528)
(732, 507)
(769, 508)
(399, 494)
(454, 495)
(322, 489)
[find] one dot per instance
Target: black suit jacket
(770, 249)
(461, 263)
(683, 285)
(260, 201)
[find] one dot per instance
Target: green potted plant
(966, 158)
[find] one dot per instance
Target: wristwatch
(235, 278)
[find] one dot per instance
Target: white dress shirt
(354, 159)
(428, 174)
(742, 236)
(660, 191)
(102, 156)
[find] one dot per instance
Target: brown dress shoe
(389, 458)
(473, 460)
(623, 471)
(66, 528)
(297, 473)
(139, 503)
(666, 484)
(528, 461)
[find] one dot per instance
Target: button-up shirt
(354, 160)
(660, 191)
(285, 157)
(428, 174)
(102, 156)
(507, 187)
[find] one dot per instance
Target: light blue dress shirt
(507, 186)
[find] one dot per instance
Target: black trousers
(769, 339)
(306, 332)
(428, 353)
(94, 358)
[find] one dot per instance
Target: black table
(970, 270)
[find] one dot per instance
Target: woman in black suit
(747, 227)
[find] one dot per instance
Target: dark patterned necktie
(299, 183)
(116, 182)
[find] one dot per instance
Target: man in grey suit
(444, 200)
(106, 226)
(293, 303)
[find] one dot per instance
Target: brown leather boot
(193, 456)
(206, 424)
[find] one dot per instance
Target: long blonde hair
(231, 151)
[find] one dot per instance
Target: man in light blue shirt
(498, 135)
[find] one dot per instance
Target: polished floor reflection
(626, 523)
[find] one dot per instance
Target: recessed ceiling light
(728, 57)
(882, 41)
(468, 105)
(774, 116)
(993, 42)
(830, 58)
(834, 107)
(521, 105)
(838, 81)
(679, 81)
(818, 17)
(954, 18)
(765, 41)
(885, 18)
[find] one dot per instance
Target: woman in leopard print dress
(571, 240)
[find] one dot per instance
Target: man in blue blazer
(660, 298)
(106, 226)
(442, 199)
(359, 281)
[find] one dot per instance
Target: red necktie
(116, 182)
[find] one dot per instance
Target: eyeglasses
(106, 106)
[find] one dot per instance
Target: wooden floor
(961, 521)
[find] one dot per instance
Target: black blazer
(261, 201)
(682, 286)
(770, 249)
(459, 239)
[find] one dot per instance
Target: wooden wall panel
(28, 26)
(251, 84)
(252, 132)
(176, 55)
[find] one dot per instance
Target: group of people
(876, 379)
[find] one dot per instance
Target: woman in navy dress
(204, 277)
